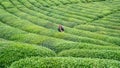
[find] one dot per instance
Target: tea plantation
(29, 36)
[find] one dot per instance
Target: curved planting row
(59, 62)
(94, 53)
(87, 26)
(39, 30)
(29, 27)
(47, 3)
(114, 40)
(69, 46)
(95, 36)
(98, 29)
(15, 34)
(13, 51)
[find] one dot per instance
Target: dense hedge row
(43, 31)
(67, 46)
(13, 51)
(98, 29)
(106, 38)
(59, 62)
(47, 3)
(38, 31)
(94, 53)
(16, 34)
(74, 31)
(1, 39)
(82, 33)
(31, 21)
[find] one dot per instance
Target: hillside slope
(92, 30)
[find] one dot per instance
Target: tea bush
(94, 53)
(64, 62)
(13, 51)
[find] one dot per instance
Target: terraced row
(102, 7)
(15, 34)
(60, 62)
(13, 51)
(28, 34)
(23, 50)
(39, 30)
(37, 19)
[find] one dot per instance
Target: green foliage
(88, 24)
(78, 32)
(83, 33)
(29, 38)
(7, 31)
(19, 35)
(98, 29)
(22, 36)
(11, 51)
(67, 62)
(29, 27)
(94, 53)
(75, 38)
(7, 4)
(1, 7)
(67, 46)
(47, 3)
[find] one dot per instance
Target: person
(60, 28)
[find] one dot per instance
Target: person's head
(60, 25)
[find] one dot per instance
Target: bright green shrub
(83, 33)
(47, 3)
(40, 30)
(90, 34)
(89, 28)
(28, 26)
(94, 53)
(13, 51)
(29, 38)
(67, 62)
(76, 15)
(93, 28)
(22, 36)
(19, 35)
(24, 2)
(34, 2)
(1, 39)
(7, 4)
(1, 7)
(114, 27)
(7, 31)
(68, 16)
(75, 38)
(96, 36)
(67, 46)
(99, 30)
